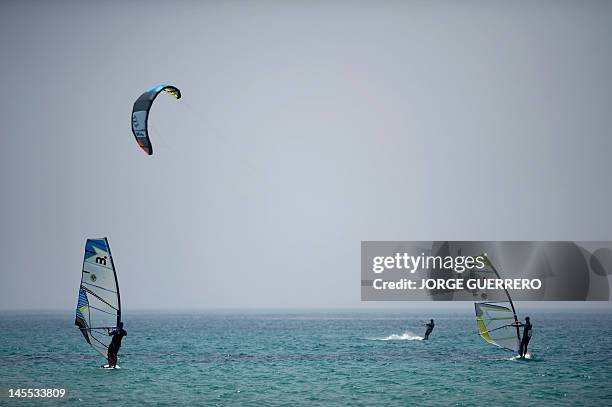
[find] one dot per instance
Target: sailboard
(99, 304)
(110, 367)
(497, 322)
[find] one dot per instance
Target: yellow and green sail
(495, 324)
(496, 320)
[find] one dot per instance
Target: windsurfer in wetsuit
(526, 336)
(118, 333)
(430, 326)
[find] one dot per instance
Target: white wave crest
(406, 336)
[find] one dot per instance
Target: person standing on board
(526, 336)
(113, 349)
(430, 326)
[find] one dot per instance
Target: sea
(311, 358)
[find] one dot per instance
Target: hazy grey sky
(304, 128)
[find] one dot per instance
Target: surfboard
(111, 368)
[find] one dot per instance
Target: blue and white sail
(99, 303)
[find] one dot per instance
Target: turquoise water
(306, 358)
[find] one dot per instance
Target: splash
(406, 336)
(527, 357)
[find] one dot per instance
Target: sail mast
(117, 282)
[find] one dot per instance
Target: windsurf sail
(99, 304)
(497, 322)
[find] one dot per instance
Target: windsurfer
(113, 349)
(526, 336)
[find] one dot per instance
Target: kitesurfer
(430, 326)
(113, 349)
(526, 336)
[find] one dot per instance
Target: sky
(305, 127)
